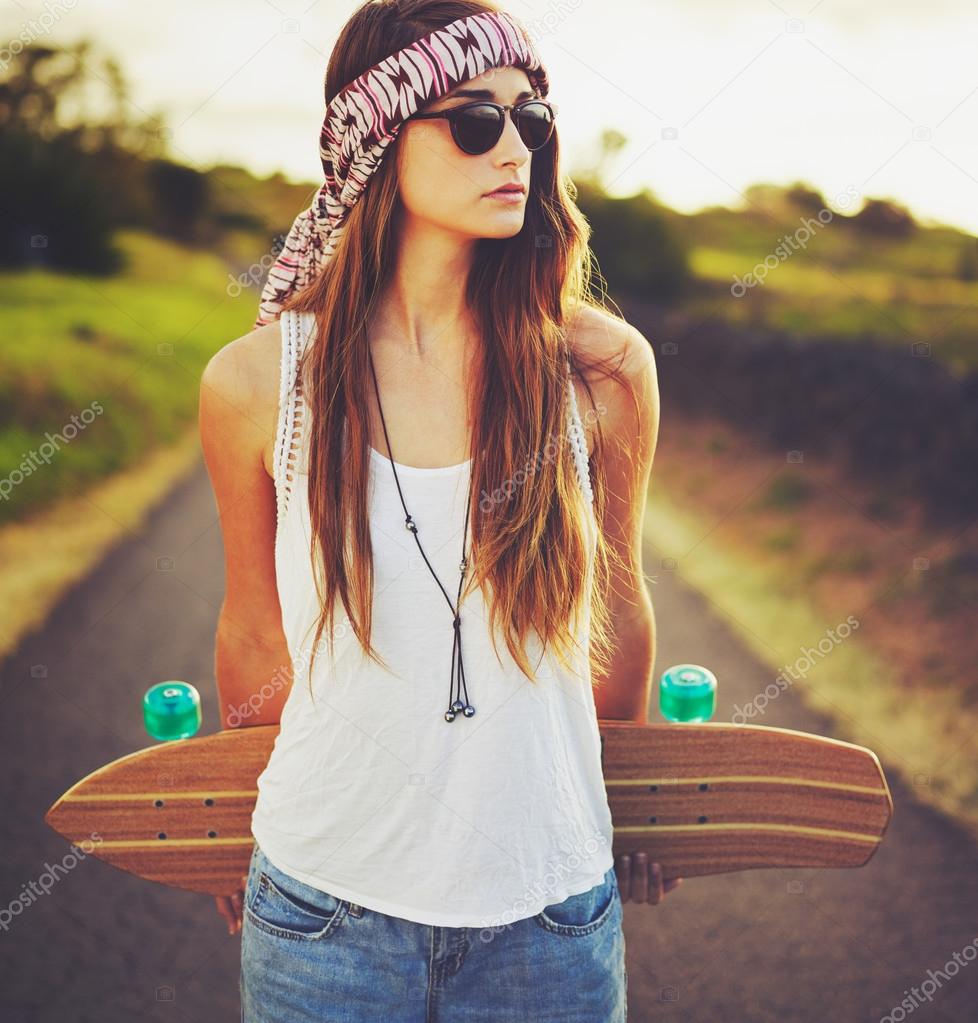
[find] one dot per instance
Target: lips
(515, 189)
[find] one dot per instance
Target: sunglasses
(477, 127)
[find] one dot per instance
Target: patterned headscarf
(366, 116)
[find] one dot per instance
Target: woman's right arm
(238, 415)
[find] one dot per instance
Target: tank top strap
(578, 438)
(295, 328)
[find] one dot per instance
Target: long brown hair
(529, 552)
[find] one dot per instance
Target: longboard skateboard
(703, 798)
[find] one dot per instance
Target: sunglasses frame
(452, 113)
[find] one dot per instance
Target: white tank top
(369, 793)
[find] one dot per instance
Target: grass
(111, 371)
(843, 283)
(98, 408)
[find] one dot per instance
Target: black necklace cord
(455, 703)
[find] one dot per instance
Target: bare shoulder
(597, 335)
(239, 390)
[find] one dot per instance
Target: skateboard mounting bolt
(162, 834)
(158, 802)
(702, 820)
(208, 801)
(704, 786)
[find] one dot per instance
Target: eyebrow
(487, 94)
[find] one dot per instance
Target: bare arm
(237, 416)
(630, 451)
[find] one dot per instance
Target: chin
(505, 227)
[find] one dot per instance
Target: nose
(511, 148)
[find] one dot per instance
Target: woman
(425, 849)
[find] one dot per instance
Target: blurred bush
(56, 210)
(893, 414)
(71, 176)
(635, 244)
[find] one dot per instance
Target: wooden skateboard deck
(699, 798)
(711, 798)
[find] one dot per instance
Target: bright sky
(874, 99)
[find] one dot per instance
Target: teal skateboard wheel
(171, 710)
(687, 693)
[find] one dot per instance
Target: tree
(884, 217)
(69, 177)
(968, 259)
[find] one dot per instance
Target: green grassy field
(844, 283)
(123, 355)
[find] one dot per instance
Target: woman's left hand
(640, 880)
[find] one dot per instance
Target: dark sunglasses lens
(535, 124)
(478, 129)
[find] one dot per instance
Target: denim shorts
(309, 956)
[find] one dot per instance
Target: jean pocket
(279, 904)
(585, 912)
